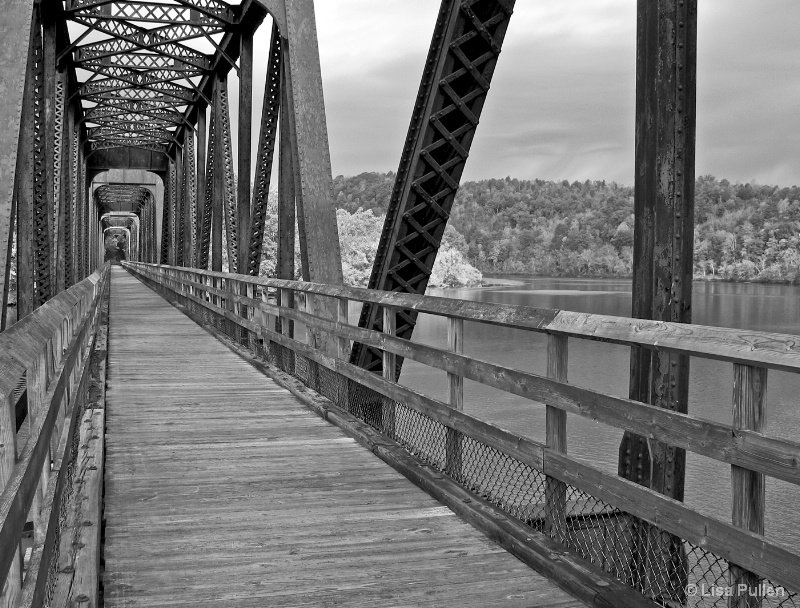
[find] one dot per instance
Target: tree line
(743, 232)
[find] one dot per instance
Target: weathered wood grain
(776, 457)
(763, 349)
(222, 489)
(751, 550)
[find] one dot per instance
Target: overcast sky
(562, 98)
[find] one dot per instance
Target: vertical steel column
(49, 147)
(57, 169)
(23, 184)
(79, 219)
(165, 216)
(172, 176)
(89, 253)
(190, 200)
(201, 189)
(43, 204)
(16, 137)
(180, 204)
(225, 171)
(218, 188)
(270, 116)
(286, 197)
(245, 154)
(311, 155)
(663, 249)
(308, 132)
(65, 202)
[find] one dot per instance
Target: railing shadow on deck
(666, 550)
(44, 365)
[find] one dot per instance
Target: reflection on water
(604, 367)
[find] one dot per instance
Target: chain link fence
(671, 571)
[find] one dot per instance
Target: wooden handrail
(49, 350)
(760, 349)
(741, 444)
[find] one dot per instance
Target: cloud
(563, 95)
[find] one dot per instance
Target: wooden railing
(253, 304)
(44, 361)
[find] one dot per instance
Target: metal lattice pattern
(205, 227)
(444, 121)
(191, 198)
(121, 197)
(172, 202)
(41, 206)
(223, 122)
(77, 204)
(57, 157)
(594, 529)
(165, 221)
(144, 70)
(266, 150)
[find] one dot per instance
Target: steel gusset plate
(458, 72)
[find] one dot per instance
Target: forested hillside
(743, 231)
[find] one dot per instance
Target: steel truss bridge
(157, 438)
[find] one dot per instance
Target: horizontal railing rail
(737, 554)
(44, 361)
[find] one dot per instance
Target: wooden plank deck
(222, 489)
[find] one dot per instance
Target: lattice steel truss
(143, 69)
(121, 197)
(466, 44)
(266, 152)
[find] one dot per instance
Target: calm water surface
(604, 367)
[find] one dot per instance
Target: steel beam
(466, 44)
(663, 247)
(244, 156)
(308, 133)
(165, 220)
(284, 265)
(225, 166)
(16, 155)
(218, 189)
(312, 161)
(270, 113)
(200, 192)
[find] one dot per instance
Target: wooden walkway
(223, 490)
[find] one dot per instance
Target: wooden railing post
(286, 301)
(11, 586)
(343, 354)
(37, 381)
(453, 441)
(556, 438)
(252, 339)
(748, 487)
(389, 365)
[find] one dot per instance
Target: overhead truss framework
(141, 67)
(122, 198)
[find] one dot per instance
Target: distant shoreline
(499, 280)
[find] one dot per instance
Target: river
(604, 367)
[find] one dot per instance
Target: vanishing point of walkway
(223, 490)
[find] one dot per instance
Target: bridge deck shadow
(222, 489)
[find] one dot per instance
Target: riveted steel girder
(15, 31)
(466, 44)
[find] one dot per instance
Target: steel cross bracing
(143, 72)
(466, 44)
